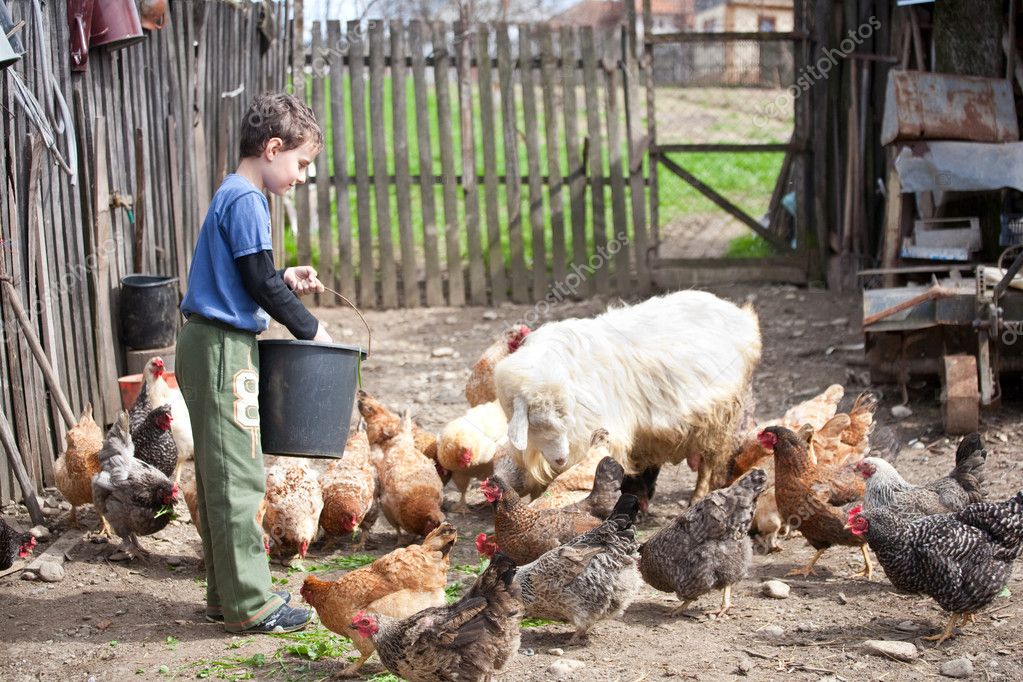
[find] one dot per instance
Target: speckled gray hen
(707, 547)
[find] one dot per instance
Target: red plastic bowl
(131, 384)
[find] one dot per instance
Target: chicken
(468, 444)
(524, 533)
(480, 387)
(382, 425)
(707, 547)
(809, 495)
(74, 469)
(410, 488)
(768, 522)
(13, 545)
(592, 577)
(349, 487)
(293, 506)
(398, 584)
(963, 560)
(135, 498)
(592, 485)
(154, 443)
(964, 485)
(472, 639)
(156, 391)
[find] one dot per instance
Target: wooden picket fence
(144, 121)
(495, 163)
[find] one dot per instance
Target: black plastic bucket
(149, 311)
(306, 396)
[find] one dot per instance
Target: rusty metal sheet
(935, 106)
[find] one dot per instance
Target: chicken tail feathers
(625, 510)
(969, 469)
(884, 444)
(1002, 521)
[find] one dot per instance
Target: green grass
(313, 644)
(749, 246)
(745, 178)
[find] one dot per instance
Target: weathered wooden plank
(323, 218)
(595, 158)
(434, 290)
(537, 221)
(551, 111)
(618, 247)
(367, 285)
(442, 75)
(488, 131)
(403, 177)
(470, 191)
(339, 124)
(378, 126)
(513, 189)
(576, 171)
(637, 151)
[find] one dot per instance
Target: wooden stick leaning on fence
(28, 492)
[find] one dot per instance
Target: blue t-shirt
(237, 224)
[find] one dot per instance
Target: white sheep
(666, 377)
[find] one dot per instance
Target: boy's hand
(302, 280)
(322, 335)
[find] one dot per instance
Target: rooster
(707, 547)
(349, 487)
(74, 469)
(134, 497)
(810, 495)
(963, 560)
(398, 584)
(964, 485)
(472, 639)
(524, 533)
(480, 387)
(293, 505)
(468, 444)
(13, 545)
(156, 391)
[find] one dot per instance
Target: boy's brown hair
(278, 115)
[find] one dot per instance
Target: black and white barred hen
(13, 545)
(707, 547)
(963, 560)
(886, 488)
(469, 640)
(592, 577)
(154, 443)
(136, 498)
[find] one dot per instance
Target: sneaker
(285, 619)
(283, 594)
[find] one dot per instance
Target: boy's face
(285, 169)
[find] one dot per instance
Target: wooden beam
(751, 148)
(683, 37)
(724, 204)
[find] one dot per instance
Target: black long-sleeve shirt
(267, 288)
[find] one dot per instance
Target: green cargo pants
(217, 368)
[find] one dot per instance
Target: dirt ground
(108, 621)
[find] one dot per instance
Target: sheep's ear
(518, 426)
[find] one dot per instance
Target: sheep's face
(542, 425)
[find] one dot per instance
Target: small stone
(51, 501)
(907, 626)
(900, 651)
(39, 532)
(565, 667)
(797, 333)
(51, 572)
(806, 626)
(64, 505)
(919, 445)
(28, 575)
(957, 667)
(1002, 437)
(842, 599)
(527, 652)
(450, 319)
(790, 297)
(443, 352)
(773, 631)
(901, 412)
(745, 665)
(775, 589)
(489, 315)
(556, 652)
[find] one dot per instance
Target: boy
(232, 286)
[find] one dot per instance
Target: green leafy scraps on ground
(313, 644)
(452, 593)
(536, 622)
(473, 569)
(340, 563)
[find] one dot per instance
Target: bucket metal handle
(369, 332)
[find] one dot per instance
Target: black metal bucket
(148, 311)
(306, 396)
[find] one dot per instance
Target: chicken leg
(726, 604)
(808, 569)
(353, 669)
(868, 567)
(950, 626)
(680, 610)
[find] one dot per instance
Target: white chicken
(156, 391)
